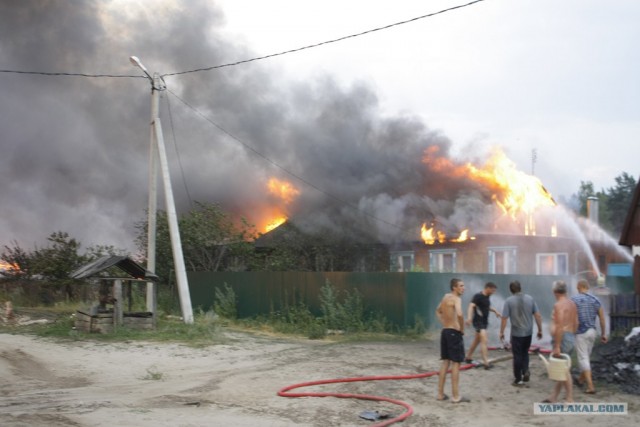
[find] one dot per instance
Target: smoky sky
(75, 149)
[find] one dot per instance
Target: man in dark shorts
(479, 309)
(449, 313)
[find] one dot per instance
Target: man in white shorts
(588, 309)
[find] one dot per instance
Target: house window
(402, 261)
(442, 261)
(502, 260)
(553, 264)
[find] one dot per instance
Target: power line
(386, 27)
(325, 42)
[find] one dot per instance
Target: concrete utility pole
(157, 152)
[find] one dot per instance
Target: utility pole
(157, 152)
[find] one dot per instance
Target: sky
(347, 123)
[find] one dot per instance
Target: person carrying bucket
(564, 323)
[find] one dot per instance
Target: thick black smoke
(75, 149)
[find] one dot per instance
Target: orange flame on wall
(430, 236)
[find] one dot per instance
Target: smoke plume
(75, 149)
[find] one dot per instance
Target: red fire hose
(285, 391)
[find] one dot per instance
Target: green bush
(225, 304)
(348, 315)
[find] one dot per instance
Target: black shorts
(451, 345)
(479, 324)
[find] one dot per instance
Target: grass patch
(342, 317)
(204, 331)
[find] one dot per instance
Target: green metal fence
(400, 297)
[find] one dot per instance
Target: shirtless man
(564, 323)
(449, 313)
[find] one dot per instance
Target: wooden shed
(117, 274)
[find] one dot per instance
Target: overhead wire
(282, 168)
(339, 39)
(175, 144)
(231, 64)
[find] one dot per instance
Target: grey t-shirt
(519, 308)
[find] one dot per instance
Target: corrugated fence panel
(382, 293)
(263, 292)
(425, 291)
(400, 297)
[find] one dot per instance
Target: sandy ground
(235, 383)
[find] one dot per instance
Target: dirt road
(235, 383)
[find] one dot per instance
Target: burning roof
(455, 200)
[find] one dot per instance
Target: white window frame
(556, 257)
(397, 263)
(436, 260)
(511, 253)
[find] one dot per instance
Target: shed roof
(124, 263)
(630, 235)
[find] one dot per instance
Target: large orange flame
(275, 223)
(515, 191)
(271, 217)
(519, 195)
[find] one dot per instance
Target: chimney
(592, 209)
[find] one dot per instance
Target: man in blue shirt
(588, 309)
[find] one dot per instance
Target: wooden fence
(624, 312)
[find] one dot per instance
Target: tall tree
(211, 240)
(619, 199)
(55, 262)
(579, 202)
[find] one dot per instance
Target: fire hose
(286, 391)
